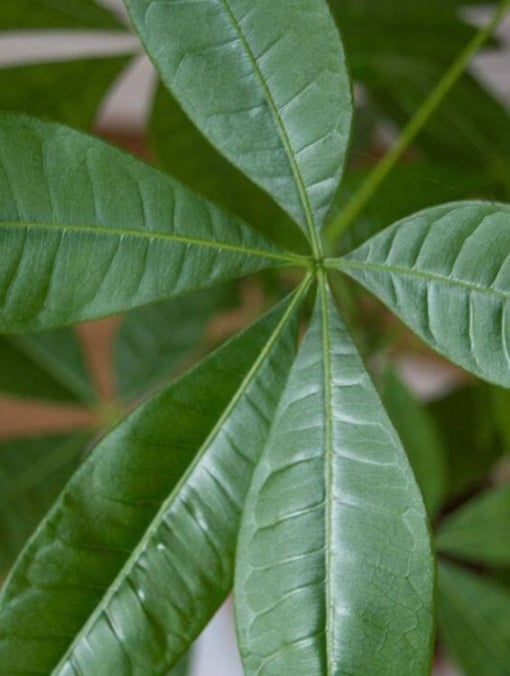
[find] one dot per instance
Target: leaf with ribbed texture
(32, 473)
(473, 620)
(87, 231)
(266, 83)
(153, 341)
(47, 366)
(69, 91)
(420, 438)
(184, 152)
(334, 571)
(446, 273)
(138, 552)
(24, 14)
(478, 531)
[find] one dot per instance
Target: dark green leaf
(411, 186)
(153, 341)
(45, 366)
(465, 422)
(399, 51)
(87, 231)
(32, 473)
(68, 91)
(478, 531)
(334, 566)
(266, 82)
(420, 438)
(473, 618)
(446, 273)
(138, 552)
(26, 14)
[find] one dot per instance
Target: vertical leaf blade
(266, 82)
(334, 567)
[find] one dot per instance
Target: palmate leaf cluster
(273, 464)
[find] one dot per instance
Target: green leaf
(40, 14)
(68, 91)
(478, 531)
(137, 554)
(153, 341)
(48, 366)
(32, 473)
(420, 438)
(266, 82)
(334, 567)
(473, 618)
(87, 231)
(184, 153)
(446, 273)
(465, 423)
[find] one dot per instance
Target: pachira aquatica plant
(271, 466)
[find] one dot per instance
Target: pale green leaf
(47, 366)
(32, 473)
(420, 438)
(446, 273)
(478, 531)
(266, 83)
(473, 620)
(87, 231)
(334, 567)
(137, 554)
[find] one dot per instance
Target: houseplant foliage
(273, 463)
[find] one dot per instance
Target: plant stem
(417, 122)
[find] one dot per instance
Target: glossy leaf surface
(153, 341)
(420, 438)
(478, 531)
(334, 567)
(32, 473)
(473, 618)
(47, 366)
(87, 231)
(144, 534)
(446, 273)
(266, 82)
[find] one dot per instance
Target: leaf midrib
(157, 520)
(328, 470)
(296, 172)
(286, 257)
(343, 264)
